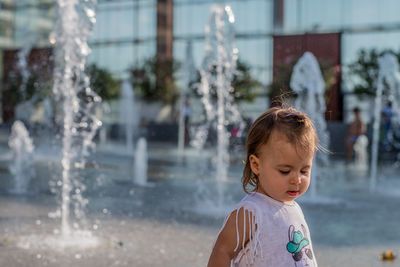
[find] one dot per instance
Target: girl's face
(283, 172)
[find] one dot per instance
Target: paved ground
(159, 225)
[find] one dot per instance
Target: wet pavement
(161, 224)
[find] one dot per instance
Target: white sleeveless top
(282, 237)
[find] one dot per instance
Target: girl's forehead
(280, 147)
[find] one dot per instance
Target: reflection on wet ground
(161, 224)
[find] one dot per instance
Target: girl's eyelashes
(284, 172)
(306, 171)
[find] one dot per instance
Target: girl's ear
(254, 164)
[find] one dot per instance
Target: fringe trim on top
(253, 248)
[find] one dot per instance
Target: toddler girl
(267, 227)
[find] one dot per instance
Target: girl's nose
(296, 179)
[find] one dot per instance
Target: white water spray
(388, 88)
(140, 166)
(22, 64)
(105, 112)
(74, 23)
(189, 76)
(22, 161)
(24, 109)
(308, 83)
(128, 116)
(217, 73)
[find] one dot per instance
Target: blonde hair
(295, 125)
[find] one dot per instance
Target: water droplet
(105, 211)
(38, 256)
(38, 222)
(78, 256)
(95, 226)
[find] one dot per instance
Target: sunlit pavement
(161, 224)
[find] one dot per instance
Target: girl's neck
(262, 192)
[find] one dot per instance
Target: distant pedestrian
(186, 116)
(387, 114)
(356, 128)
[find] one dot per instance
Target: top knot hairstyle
(295, 125)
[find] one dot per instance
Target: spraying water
(388, 89)
(140, 166)
(189, 74)
(308, 83)
(22, 64)
(105, 111)
(361, 154)
(22, 162)
(23, 110)
(217, 73)
(47, 113)
(128, 113)
(74, 23)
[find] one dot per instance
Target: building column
(165, 21)
(278, 15)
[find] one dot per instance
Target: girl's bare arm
(224, 248)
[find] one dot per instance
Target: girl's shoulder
(252, 203)
(263, 200)
(251, 199)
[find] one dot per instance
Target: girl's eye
(304, 172)
(284, 172)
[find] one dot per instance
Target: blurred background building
(268, 32)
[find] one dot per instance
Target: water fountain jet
(388, 87)
(189, 73)
(308, 83)
(72, 88)
(218, 69)
(140, 165)
(128, 114)
(22, 161)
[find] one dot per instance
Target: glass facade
(33, 21)
(125, 34)
(126, 30)
(253, 32)
(363, 23)
(6, 24)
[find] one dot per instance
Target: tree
(243, 83)
(38, 84)
(103, 82)
(365, 71)
(280, 86)
(244, 86)
(155, 80)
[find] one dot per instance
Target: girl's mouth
(293, 193)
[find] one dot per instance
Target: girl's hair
(295, 125)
